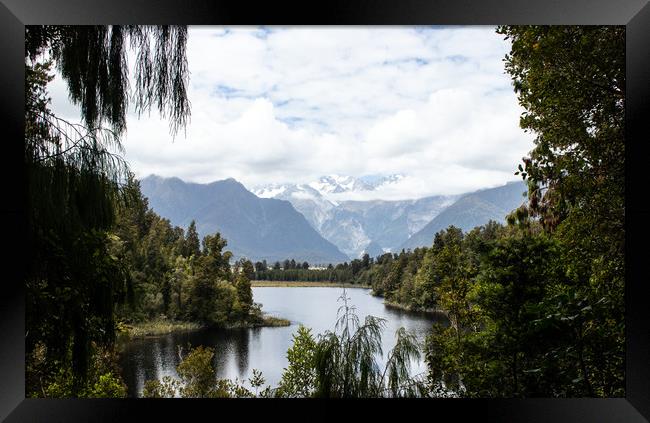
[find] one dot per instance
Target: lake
(239, 351)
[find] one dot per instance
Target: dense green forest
(168, 273)
(536, 306)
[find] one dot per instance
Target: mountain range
(471, 210)
(255, 228)
(358, 227)
(304, 222)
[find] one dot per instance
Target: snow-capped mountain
(356, 227)
(376, 181)
(256, 228)
(326, 185)
(307, 200)
(335, 184)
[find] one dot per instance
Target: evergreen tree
(243, 285)
(192, 244)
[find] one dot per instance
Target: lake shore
(429, 311)
(266, 322)
(161, 327)
(156, 327)
(306, 284)
(265, 348)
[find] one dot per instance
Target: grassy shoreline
(160, 327)
(156, 327)
(270, 322)
(306, 284)
(431, 311)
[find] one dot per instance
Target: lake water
(239, 351)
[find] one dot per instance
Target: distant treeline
(290, 270)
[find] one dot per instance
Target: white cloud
(292, 104)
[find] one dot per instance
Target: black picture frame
(635, 14)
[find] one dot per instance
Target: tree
(390, 283)
(75, 179)
(192, 245)
(356, 265)
(243, 285)
(298, 378)
(514, 280)
(571, 83)
(453, 281)
(179, 277)
(261, 266)
(212, 301)
(424, 283)
(247, 269)
(196, 372)
(197, 380)
(345, 363)
(214, 258)
(92, 60)
(365, 260)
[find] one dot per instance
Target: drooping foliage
(75, 175)
(345, 360)
(93, 60)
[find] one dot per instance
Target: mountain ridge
(256, 224)
(471, 210)
(256, 228)
(356, 226)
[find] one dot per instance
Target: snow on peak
(270, 191)
(326, 185)
(334, 184)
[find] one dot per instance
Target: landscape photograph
(325, 212)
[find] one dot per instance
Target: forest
(535, 305)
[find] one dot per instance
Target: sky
(291, 104)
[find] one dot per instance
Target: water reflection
(239, 351)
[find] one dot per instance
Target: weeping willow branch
(57, 127)
(93, 61)
(345, 360)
